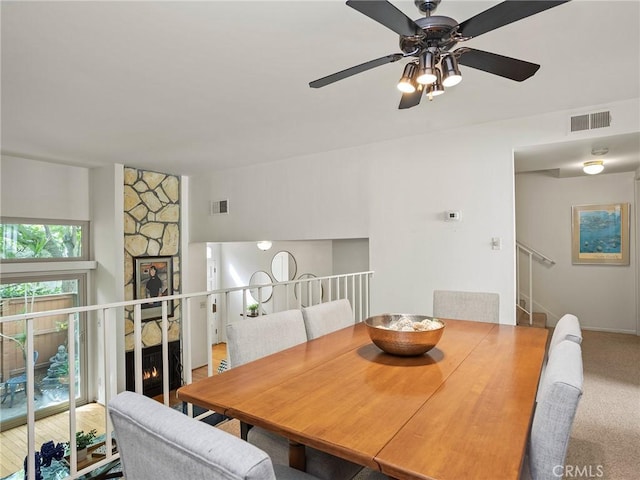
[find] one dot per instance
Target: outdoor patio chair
(12, 384)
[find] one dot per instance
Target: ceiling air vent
(590, 121)
(219, 207)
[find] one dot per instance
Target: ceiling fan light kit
(427, 68)
(429, 41)
(407, 83)
(452, 75)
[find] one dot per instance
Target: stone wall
(151, 228)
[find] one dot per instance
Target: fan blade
(363, 67)
(503, 14)
(386, 14)
(506, 67)
(409, 100)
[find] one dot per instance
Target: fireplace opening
(152, 369)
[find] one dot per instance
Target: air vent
(219, 207)
(589, 121)
(579, 122)
(600, 119)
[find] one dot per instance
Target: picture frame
(149, 284)
(600, 234)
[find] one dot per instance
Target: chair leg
(6, 392)
(12, 388)
(244, 430)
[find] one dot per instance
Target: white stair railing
(355, 286)
(530, 254)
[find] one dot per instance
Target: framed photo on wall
(600, 234)
(153, 277)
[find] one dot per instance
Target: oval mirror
(260, 278)
(310, 293)
(283, 267)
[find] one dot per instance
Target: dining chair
(258, 337)
(567, 328)
(479, 306)
(327, 317)
(561, 389)
(156, 441)
(254, 338)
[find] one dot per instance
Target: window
(28, 241)
(44, 268)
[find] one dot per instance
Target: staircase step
(539, 319)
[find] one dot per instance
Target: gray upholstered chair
(479, 306)
(327, 317)
(254, 338)
(156, 441)
(567, 328)
(561, 389)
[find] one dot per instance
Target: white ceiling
(189, 87)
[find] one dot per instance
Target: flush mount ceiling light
(593, 168)
(430, 45)
(264, 245)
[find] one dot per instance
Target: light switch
(496, 243)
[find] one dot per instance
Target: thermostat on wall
(452, 215)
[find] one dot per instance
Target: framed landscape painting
(600, 234)
(153, 278)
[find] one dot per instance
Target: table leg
(297, 457)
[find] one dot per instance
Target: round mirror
(283, 267)
(260, 278)
(311, 292)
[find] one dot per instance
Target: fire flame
(147, 374)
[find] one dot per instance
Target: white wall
(196, 258)
(350, 255)
(395, 193)
(238, 261)
(35, 189)
(107, 233)
(308, 199)
(602, 296)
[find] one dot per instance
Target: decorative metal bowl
(404, 343)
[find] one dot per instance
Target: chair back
(327, 317)
(254, 338)
(560, 392)
(479, 306)
(158, 442)
(567, 328)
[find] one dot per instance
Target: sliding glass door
(36, 293)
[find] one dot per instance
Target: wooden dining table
(462, 410)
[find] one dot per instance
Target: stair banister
(530, 253)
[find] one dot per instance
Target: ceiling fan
(429, 41)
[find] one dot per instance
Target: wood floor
(13, 442)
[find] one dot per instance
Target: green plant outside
(40, 241)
